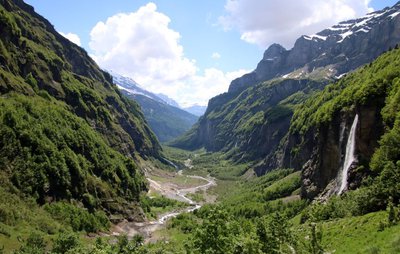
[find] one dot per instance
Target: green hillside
(167, 122)
(264, 165)
(66, 132)
(374, 88)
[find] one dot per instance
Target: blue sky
(202, 44)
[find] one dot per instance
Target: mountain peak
(330, 52)
(273, 51)
(344, 29)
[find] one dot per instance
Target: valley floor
(249, 199)
(210, 196)
(172, 185)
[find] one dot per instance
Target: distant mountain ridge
(166, 120)
(333, 47)
(196, 109)
(131, 86)
(168, 100)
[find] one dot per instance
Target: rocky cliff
(320, 128)
(343, 47)
(253, 117)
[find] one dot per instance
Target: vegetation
(374, 85)
(366, 86)
(70, 143)
(156, 205)
(167, 122)
(61, 157)
(246, 222)
(249, 125)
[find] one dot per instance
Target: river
(147, 228)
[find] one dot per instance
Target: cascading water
(349, 157)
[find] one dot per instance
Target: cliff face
(343, 47)
(323, 152)
(253, 123)
(320, 128)
(252, 119)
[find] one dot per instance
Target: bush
(78, 218)
(66, 243)
(184, 222)
(34, 244)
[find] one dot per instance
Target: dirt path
(169, 190)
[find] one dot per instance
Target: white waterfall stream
(349, 157)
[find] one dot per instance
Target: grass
(181, 181)
(180, 155)
(197, 197)
(169, 241)
(247, 197)
(283, 187)
(157, 204)
(360, 234)
(19, 217)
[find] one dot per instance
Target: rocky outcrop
(356, 111)
(322, 153)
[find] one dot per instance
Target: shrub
(78, 218)
(66, 243)
(34, 244)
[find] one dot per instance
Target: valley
(174, 186)
(300, 155)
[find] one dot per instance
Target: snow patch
(392, 16)
(315, 37)
(364, 30)
(344, 35)
(133, 91)
(341, 76)
(337, 28)
(319, 37)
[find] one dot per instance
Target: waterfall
(349, 157)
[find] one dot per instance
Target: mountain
(67, 132)
(167, 121)
(359, 111)
(168, 100)
(196, 110)
(333, 51)
(251, 120)
(129, 85)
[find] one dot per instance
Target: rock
(324, 163)
(313, 62)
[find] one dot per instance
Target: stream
(148, 227)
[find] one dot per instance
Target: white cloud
(200, 88)
(264, 22)
(141, 45)
(72, 37)
(216, 55)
